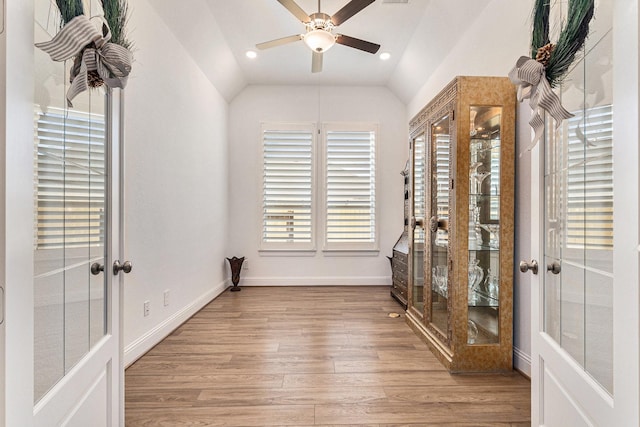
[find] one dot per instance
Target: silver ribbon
(529, 76)
(111, 61)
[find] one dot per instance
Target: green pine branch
(540, 36)
(69, 9)
(571, 40)
(116, 12)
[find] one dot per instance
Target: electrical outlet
(146, 308)
(245, 265)
(166, 297)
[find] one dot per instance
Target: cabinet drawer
(399, 259)
(400, 278)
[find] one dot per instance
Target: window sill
(287, 252)
(351, 252)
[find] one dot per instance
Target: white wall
(258, 104)
(484, 50)
(175, 147)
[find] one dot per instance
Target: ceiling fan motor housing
(319, 36)
(320, 21)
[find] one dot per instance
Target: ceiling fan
(320, 28)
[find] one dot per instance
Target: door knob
(529, 266)
(126, 267)
(416, 222)
(435, 223)
(555, 267)
(96, 268)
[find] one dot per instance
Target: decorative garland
(549, 63)
(100, 56)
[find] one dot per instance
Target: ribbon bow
(529, 76)
(111, 61)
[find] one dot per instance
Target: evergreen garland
(540, 36)
(69, 9)
(558, 58)
(116, 13)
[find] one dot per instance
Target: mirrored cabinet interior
(461, 224)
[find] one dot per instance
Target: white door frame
(16, 148)
(622, 409)
(626, 202)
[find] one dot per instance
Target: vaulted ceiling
(416, 33)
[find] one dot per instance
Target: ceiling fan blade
(350, 9)
(357, 43)
(278, 42)
(296, 10)
(316, 62)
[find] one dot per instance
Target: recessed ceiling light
(385, 55)
(251, 54)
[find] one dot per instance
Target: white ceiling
(418, 34)
(245, 23)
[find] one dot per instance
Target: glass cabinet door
(484, 226)
(439, 239)
(418, 237)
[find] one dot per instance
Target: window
(287, 186)
(70, 179)
(590, 179)
(350, 187)
(347, 187)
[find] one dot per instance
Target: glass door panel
(439, 241)
(483, 286)
(70, 228)
(578, 218)
(418, 243)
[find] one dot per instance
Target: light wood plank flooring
(303, 356)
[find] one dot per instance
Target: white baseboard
(522, 362)
(316, 281)
(146, 342)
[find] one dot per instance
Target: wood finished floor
(310, 356)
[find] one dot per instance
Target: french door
(78, 371)
(584, 289)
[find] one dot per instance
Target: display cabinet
(461, 235)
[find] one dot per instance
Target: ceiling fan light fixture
(319, 40)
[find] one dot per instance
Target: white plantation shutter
(350, 204)
(70, 179)
(590, 179)
(420, 158)
(443, 149)
(287, 209)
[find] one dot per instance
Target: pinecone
(544, 54)
(94, 79)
